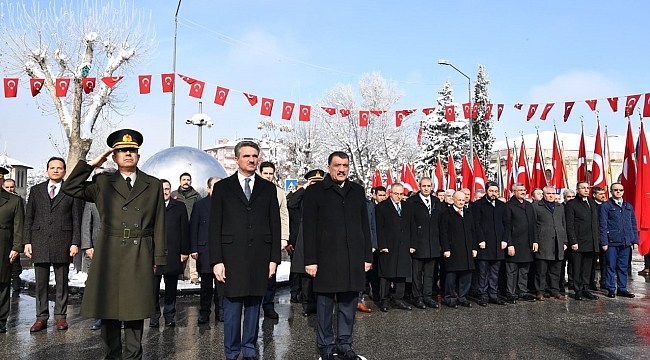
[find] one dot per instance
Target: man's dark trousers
(345, 318)
(112, 332)
(42, 277)
(268, 303)
(171, 285)
(211, 291)
(423, 270)
(488, 278)
(234, 341)
(582, 264)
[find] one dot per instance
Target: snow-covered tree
(273, 138)
(482, 127)
(75, 39)
(440, 137)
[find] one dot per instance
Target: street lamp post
(469, 92)
(200, 120)
(171, 137)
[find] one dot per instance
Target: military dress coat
(490, 222)
(199, 226)
(294, 205)
(178, 238)
(550, 231)
(520, 232)
(336, 235)
(51, 227)
(393, 233)
(245, 234)
(582, 224)
(12, 217)
(425, 228)
(120, 282)
(457, 236)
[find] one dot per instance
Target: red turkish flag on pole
(642, 194)
(329, 110)
(598, 164)
(522, 168)
(630, 104)
(538, 176)
(557, 165)
(509, 175)
(35, 85)
(628, 175)
(62, 87)
(467, 178)
(488, 111)
(376, 179)
(428, 111)
(450, 114)
(252, 99)
(167, 82)
(420, 134)
(592, 104)
(467, 107)
(646, 105)
(389, 182)
(613, 103)
(267, 107)
(438, 180)
(531, 111)
(287, 110)
(451, 173)
(547, 108)
(408, 178)
(144, 83)
(568, 106)
(363, 117)
(480, 179)
(344, 112)
(221, 95)
(475, 107)
(305, 113)
(582, 159)
(88, 85)
(11, 87)
(499, 111)
(111, 81)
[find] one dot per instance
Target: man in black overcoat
(490, 224)
(178, 249)
(337, 252)
(520, 235)
(394, 243)
(459, 246)
(244, 247)
(425, 241)
(584, 239)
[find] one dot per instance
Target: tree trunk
(78, 150)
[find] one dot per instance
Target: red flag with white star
(167, 82)
(475, 108)
(499, 111)
(62, 87)
(144, 83)
(613, 103)
(221, 95)
(592, 104)
(646, 105)
(35, 85)
(329, 110)
(547, 108)
(267, 107)
(11, 87)
(305, 113)
(428, 111)
(111, 81)
(252, 99)
(531, 111)
(344, 112)
(488, 111)
(287, 110)
(450, 114)
(467, 109)
(363, 117)
(568, 106)
(630, 104)
(88, 85)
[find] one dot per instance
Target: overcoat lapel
(142, 182)
(57, 198)
(233, 182)
(4, 198)
(257, 189)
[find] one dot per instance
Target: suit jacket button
(135, 242)
(137, 208)
(125, 208)
(248, 208)
(135, 225)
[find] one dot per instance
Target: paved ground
(603, 329)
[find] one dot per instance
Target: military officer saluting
(131, 243)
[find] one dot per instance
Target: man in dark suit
(178, 249)
(12, 217)
(52, 237)
(244, 247)
(17, 269)
(211, 289)
(520, 235)
(490, 223)
(584, 239)
(459, 246)
(394, 243)
(425, 241)
(550, 243)
(131, 244)
(338, 252)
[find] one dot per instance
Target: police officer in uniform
(132, 243)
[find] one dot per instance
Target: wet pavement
(603, 329)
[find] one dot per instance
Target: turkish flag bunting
(111, 81)
(420, 134)
(568, 106)
(62, 87)
(630, 104)
(167, 82)
(538, 176)
(305, 113)
(628, 175)
(438, 180)
(557, 166)
(377, 112)
(451, 173)
(88, 85)
(592, 104)
(363, 117)
(450, 114)
(598, 164)
(11, 87)
(196, 86)
(221, 95)
(547, 108)
(480, 179)
(642, 194)
(499, 111)
(582, 159)
(531, 111)
(518, 106)
(467, 178)
(488, 111)
(267, 107)
(613, 103)
(344, 112)
(400, 115)
(252, 99)
(522, 168)
(475, 108)
(428, 111)
(36, 85)
(329, 110)
(466, 110)
(144, 82)
(646, 105)
(287, 110)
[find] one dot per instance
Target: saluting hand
(101, 159)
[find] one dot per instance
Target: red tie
(460, 212)
(52, 191)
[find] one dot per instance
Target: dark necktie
(247, 188)
(399, 210)
(128, 183)
(426, 201)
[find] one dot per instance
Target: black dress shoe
(452, 304)
(625, 294)
(466, 304)
(589, 295)
(611, 294)
(429, 302)
(153, 323)
(203, 320)
(497, 301)
(420, 304)
(328, 357)
(482, 302)
(250, 357)
(578, 295)
(511, 299)
(170, 322)
(271, 314)
(528, 297)
(400, 304)
(349, 355)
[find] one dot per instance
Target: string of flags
(470, 110)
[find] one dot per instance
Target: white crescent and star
(145, 82)
(63, 84)
(267, 104)
(38, 85)
(598, 160)
(12, 84)
(197, 87)
(222, 94)
(90, 84)
(288, 109)
(305, 111)
(168, 80)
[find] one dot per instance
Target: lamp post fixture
(469, 92)
(171, 138)
(200, 120)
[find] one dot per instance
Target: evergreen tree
(482, 127)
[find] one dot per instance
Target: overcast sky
(551, 51)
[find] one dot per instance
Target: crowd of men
(421, 250)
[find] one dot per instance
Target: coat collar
(141, 184)
(4, 197)
(329, 183)
(233, 182)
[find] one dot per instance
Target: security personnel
(132, 243)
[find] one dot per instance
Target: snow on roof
(4, 159)
(570, 141)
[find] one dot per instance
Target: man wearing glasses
(618, 235)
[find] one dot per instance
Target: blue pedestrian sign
(290, 185)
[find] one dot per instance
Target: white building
(17, 172)
(224, 152)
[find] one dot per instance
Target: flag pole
(566, 173)
(609, 161)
